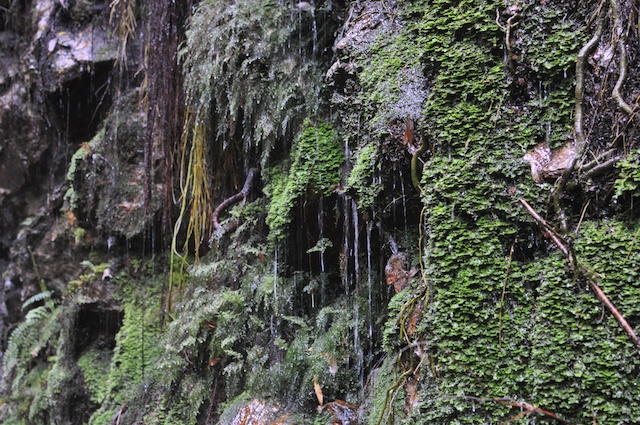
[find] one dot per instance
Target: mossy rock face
(504, 322)
(107, 177)
(489, 323)
(314, 170)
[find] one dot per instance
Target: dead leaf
(318, 390)
(545, 163)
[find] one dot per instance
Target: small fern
(30, 337)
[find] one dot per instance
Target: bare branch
(242, 195)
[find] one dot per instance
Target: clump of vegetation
(250, 65)
(628, 183)
(30, 339)
(361, 178)
(316, 159)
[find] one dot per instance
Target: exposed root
(580, 138)
(622, 65)
(415, 166)
(507, 37)
(242, 195)
(600, 168)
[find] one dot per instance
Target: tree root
(622, 64)
(507, 37)
(242, 195)
(415, 165)
(582, 270)
(600, 168)
(580, 138)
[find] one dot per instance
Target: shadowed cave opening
(97, 326)
(81, 104)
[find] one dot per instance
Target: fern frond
(48, 330)
(37, 315)
(36, 298)
(25, 335)
(29, 338)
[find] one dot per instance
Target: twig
(526, 408)
(601, 168)
(584, 211)
(414, 163)
(547, 230)
(593, 282)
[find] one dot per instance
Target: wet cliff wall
(319, 212)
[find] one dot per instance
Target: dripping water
(322, 255)
(356, 308)
(393, 202)
(369, 293)
(314, 29)
(404, 205)
(275, 279)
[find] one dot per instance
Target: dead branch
(601, 168)
(242, 195)
(547, 230)
(507, 36)
(582, 270)
(526, 408)
(593, 279)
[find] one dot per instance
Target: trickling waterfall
(356, 305)
(323, 271)
(369, 295)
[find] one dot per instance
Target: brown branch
(528, 409)
(415, 179)
(547, 230)
(507, 37)
(584, 271)
(592, 278)
(242, 195)
(601, 168)
(524, 406)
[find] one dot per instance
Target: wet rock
(256, 412)
(342, 412)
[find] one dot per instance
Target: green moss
(136, 352)
(71, 197)
(629, 180)
(386, 404)
(95, 366)
(251, 61)
(316, 159)
(361, 177)
(547, 340)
